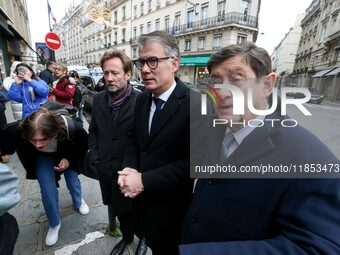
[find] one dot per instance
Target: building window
(245, 4)
(167, 23)
(148, 27)
(123, 13)
(123, 35)
(201, 43)
(157, 24)
(141, 28)
(187, 45)
(177, 21)
(190, 18)
(115, 17)
(217, 41)
(158, 4)
(334, 59)
(220, 7)
(323, 32)
(204, 13)
(134, 52)
(141, 8)
(135, 33)
(135, 11)
(149, 5)
(241, 38)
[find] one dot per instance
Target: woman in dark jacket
(52, 145)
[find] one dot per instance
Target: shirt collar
(241, 134)
(165, 96)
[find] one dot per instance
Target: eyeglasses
(152, 62)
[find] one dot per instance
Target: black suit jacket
(107, 142)
(266, 216)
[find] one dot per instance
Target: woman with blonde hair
(63, 90)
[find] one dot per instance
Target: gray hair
(163, 38)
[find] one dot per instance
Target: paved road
(324, 123)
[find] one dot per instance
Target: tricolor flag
(50, 13)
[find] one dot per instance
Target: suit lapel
(170, 108)
(257, 144)
(144, 106)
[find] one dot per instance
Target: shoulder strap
(70, 125)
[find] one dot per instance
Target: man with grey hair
(159, 178)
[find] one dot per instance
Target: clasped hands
(130, 182)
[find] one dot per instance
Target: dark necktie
(158, 102)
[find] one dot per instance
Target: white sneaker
(52, 235)
(83, 209)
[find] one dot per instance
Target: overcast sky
(276, 17)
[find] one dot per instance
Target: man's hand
(63, 165)
(130, 182)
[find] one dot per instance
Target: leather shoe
(119, 248)
(142, 248)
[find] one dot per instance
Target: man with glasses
(159, 178)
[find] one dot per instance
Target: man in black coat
(112, 118)
(241, 215)
(48, 74)
(159, 178)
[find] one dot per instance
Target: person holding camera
(28, 89)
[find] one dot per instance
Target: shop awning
(194, 60)
(321, 73)
(334, 72)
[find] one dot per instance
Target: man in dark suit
(112, 118)
(159, 178)
(48, 74)
(260, 216)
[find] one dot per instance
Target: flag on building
(50, 13)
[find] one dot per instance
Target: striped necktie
(227, 142)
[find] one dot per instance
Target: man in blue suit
(260, 216)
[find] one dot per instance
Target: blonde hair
(63, 68)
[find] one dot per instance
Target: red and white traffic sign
(53, 41)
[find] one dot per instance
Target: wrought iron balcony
(221, 20)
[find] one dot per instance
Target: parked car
(95, 71)
(137, 84)
(81, 70)
(90, 82)
(316, 97)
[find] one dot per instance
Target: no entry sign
(53, 41)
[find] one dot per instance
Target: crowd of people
(140, 147)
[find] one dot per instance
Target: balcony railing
(311, 13)
(222, 20)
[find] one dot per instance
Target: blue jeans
(49, 192)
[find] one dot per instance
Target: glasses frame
(143, 61)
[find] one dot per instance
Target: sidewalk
(334, 103)
(79, 234)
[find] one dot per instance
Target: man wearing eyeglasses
(159, 178)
